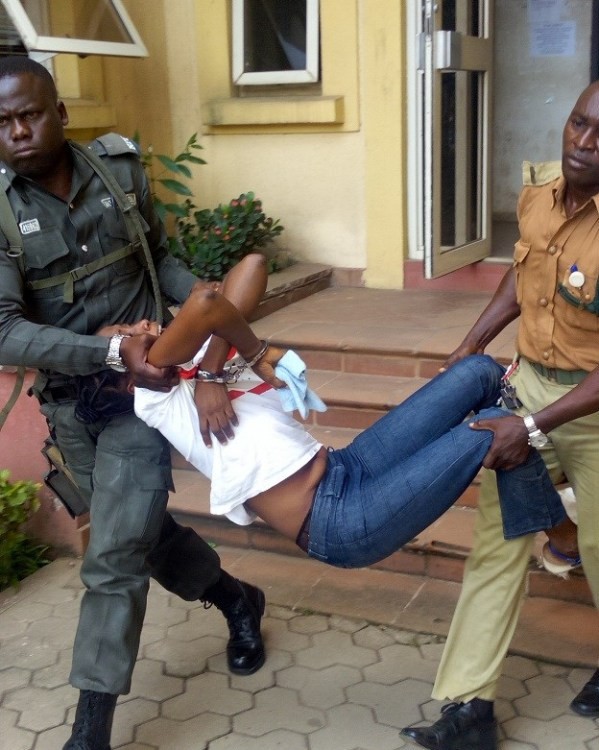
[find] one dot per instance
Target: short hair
(14, 65)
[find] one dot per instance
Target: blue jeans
(407, 469)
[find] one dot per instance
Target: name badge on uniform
(29, 226)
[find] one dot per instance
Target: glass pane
(274, 35)
(96, 20)
(463, 16)
(461, 164)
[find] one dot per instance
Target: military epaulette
(113, 144)
(540, 173)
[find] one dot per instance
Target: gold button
(545, 355)
(543, 302)
(552, 250)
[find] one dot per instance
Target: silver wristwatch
(113, 358)
(536, 438)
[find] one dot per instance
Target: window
(85, 27)
(275, 42)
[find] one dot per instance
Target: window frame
(36, 43)
(310, 74)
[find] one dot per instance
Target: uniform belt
(563, 377)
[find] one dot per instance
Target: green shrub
(19, 554)
(209, 241)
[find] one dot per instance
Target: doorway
(544, 54)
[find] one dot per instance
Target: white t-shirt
(269, 444)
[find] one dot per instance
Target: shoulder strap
(12, 399)
(130, 213)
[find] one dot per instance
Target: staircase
(366, 351)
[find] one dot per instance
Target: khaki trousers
(495, 574)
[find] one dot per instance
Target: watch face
(538, 441)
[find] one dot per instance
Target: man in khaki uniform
(553, 289)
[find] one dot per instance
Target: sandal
(557, 562)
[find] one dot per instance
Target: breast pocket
(521, 251)
(46, 255)
(113, 234)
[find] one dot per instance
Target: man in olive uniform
(75, 269)
(553, 288)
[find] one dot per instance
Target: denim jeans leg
(529, 501)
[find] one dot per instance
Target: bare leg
(207, 312)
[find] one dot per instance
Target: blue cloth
(407, 469)
(297, 395)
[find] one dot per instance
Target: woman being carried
(354, 506)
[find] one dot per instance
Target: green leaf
(173, 165)
(175, 186)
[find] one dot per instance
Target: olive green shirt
(37, 327)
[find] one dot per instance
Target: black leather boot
(93, 721)
(586, 702)
(459, 728)
(243, 606)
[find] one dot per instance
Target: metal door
(456, 56)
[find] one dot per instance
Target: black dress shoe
(586, 702)
(459, 728)
(245, 649)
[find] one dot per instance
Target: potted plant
(209, 241)
(19, 554)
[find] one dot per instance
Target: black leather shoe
(245, 649)
(459, 728)
(586, 702)
(93, 721)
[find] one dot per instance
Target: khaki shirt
(553, 331)
(37, 327)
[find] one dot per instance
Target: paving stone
(56, 674)
(58, 597)
(11, 628)
(278, 635)
(12, 678)
(207, 693)
(54, 738)
(54, 631)
(151, 633)
(511, 688)
(551, 735)
(334, 647)
(281, 613)
(27, 611)
(14, 738)
(346, 624)
(520, 668)
(183, 735)
(128, 716)
(200, 622)
(394, 705)
(149, 681)
(279, 740)
(69, 610)
(182, 658)
(159, 612)
(322, 688)
(278, 708)
(548, 698)
(40, 709)
(399, 662)
(374, 636)
(27, 653)
(354, 726)
(309, 624)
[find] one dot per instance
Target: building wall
(330, 166)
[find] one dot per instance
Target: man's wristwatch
(536, 438)
(113, 358)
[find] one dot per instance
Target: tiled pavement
(330, 682)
